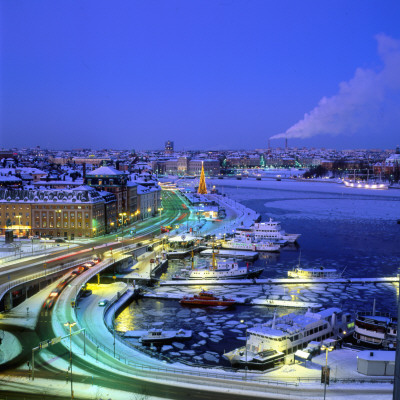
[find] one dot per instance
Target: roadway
(172, 210)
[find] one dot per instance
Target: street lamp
(19, 223)
(160, 209)
(70, 324)
(122, 215)
(245, 368)
(327, 350)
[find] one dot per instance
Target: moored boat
(249, 243)
(310, 273)
(206, 299)
(224, 269)
(375, 328)
(160, 336)
(270, 231)
(270, 342)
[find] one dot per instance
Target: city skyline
(206, 75)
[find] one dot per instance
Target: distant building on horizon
(169, 147)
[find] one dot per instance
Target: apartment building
(70, 214)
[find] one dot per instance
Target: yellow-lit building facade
(66, 214)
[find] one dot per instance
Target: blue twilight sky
(205, 74)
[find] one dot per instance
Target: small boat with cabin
(313, 273)
(377, 329)
(154, 336)
(206, 299)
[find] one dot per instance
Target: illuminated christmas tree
(202, 183)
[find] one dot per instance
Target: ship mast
(214, 262)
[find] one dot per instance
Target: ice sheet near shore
(314, 200)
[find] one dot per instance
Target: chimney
(84, 172)
(286, 144)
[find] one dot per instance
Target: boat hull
(259, 363)
(249, 274)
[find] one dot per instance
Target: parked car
(59, 240)
(103, 302)
(86, 293)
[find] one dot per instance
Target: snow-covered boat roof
(292, 323)
(183, 238)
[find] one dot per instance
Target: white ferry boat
(310, 273)
(376, 328)
(224, 269)
(270, 342)
(270, 231)
(248, 243)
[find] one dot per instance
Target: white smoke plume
(360, 101)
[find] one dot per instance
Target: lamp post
(114, 330)
(327, 350)
(245, 368)
(160, 209)
(19, 223)
(70, 325)
(122, 215)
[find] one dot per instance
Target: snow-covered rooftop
(105, 171)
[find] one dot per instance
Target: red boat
(206, 299)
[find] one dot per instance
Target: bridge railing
(5, 287)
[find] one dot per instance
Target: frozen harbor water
(341, 228)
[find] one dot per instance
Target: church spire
(202, 183)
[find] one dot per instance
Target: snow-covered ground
(10, 347)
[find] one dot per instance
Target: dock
(241, 255)
(183, 253)
(278, 281)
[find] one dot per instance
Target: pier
(249, 301)
(278, 281)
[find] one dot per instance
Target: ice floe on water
(178, 345)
